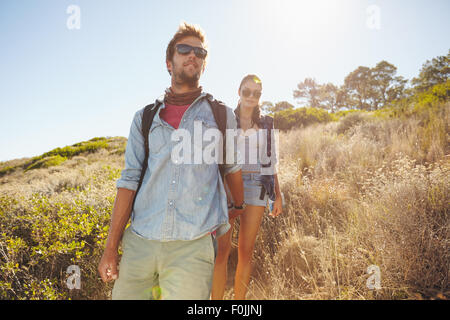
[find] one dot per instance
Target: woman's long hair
(256, 114)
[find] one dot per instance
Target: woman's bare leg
(250, 222)
(220, 267)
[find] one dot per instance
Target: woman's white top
(252, 146)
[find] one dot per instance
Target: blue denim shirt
(177, 201)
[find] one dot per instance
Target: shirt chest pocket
(156, 139)
(206, 137)
(205, 122)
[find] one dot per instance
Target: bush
(7, 170)
(55, 156)
(351, 120)
(43, 235)
(76, 149)
(342, 113)
(46, 162)
(301, 117)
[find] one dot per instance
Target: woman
(249, 121)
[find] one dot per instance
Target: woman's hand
(277, 207)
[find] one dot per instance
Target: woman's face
(250, 93)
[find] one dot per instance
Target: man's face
(187, 69)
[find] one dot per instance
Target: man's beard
(192, 81)
(183, 78)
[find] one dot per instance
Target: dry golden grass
(370, 196)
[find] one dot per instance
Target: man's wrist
(111, 250)
(111, 245)
(240, 207)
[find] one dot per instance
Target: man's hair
(185, 30)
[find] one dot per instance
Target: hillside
(361, 191)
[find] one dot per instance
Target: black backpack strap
(268, 124)
(147, 119)
(219, 111)
(267, 181)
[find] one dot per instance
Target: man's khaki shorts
(174, 270)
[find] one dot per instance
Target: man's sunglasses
(186, 49)
(247, 93)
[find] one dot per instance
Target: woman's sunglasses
(186, 49)
(247, 93)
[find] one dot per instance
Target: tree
(386, 87)
(300, 117)
(308, 92)
(269, 107)
(433, 72)
(359, 88)
(266, 107)
(331, 97)
(373, 88)
(283, 105)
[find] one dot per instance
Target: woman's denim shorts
(252, 189)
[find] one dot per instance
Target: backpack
(220, 116)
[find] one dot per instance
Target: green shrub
(351, 120)
(42, 236)
(78, 148)
(431, 99)
(301, 117)
(99, 139)
(343, 113)
(6, 170)
(420, 104)
(47, 162)
(66, 152)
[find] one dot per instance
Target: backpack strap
(268, 125)
(147, 119)
(219, 111)
(268, 181)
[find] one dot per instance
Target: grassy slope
(362, 191)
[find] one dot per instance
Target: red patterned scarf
(181, 99)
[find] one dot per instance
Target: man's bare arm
(119, 218)
(236, 187)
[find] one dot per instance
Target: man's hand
(119, 218)
(236, 187)
(234, 213)
(108, 266)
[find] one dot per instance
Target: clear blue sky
(60, 86)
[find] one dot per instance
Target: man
(169, 249)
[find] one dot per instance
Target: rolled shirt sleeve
(134, 155)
